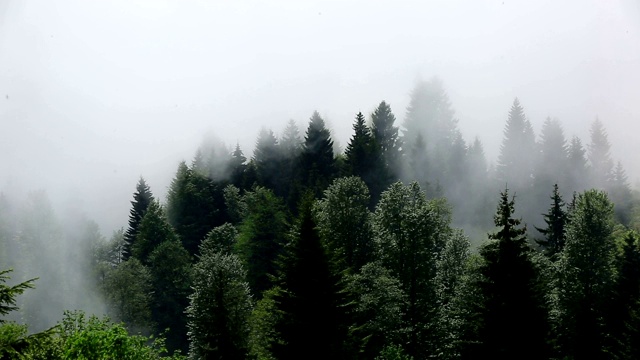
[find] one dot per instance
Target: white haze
(94, 94)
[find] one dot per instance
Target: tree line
(302, 252)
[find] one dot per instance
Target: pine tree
(556, 219)
(385, 134)
(237, 166)
(363, 158)
(512, 314)
(515, 163)
(141, 200)
(600, 157)
(310, 325)
(317, 159)
(266, 157)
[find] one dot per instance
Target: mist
(94, 95)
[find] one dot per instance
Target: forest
(408, 244)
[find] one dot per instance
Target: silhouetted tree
(317, 158)
(556, 219)
(141, 200)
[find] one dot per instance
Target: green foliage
(585, 275)
(220, 239)
(263, 321)
(363, 157)
(8, 294)
(317, 158)
(127, 291)
(393, 352)
(261, 237)
(377, 303)
(219, 308)
(516, 160)
(153, 231)
(344, 223)
(556, 219)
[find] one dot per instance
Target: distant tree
(237, 166)
(266, 156)
(585, 277)
(385, 134)
(344, 223)
(577, 166)
(308, 300)
(219, 308)
(620, 194)
(512, 314)
(515, 162)
(317, 157)
(600, 157)
(141, 200)
(363, 157)
(291, 148)
(554, 232)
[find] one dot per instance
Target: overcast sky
(94, 94)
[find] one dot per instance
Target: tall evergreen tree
(385, 134)
(556, 219)
(577, 166)
(512, 313)
(141, 200)
(600, 157)
(266, 156)
(620, 194)
(317, 158)
(363, 157)
(515, 162)
(154, 230)
(237, 166)
(311, 321)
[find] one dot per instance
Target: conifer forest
(411, 228)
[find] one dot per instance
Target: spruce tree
(385, 134)
(515, 162)
(363, 157)
(237, 166)
(141, 200)
(317, 158)
(310, 325)
(154, 230)
(266, 157)
(512, 315)
(577, 166)
(556, 219)
(601, 165)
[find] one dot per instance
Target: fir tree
(556, 219)
(317, 158)
(600, 157)
(141, 200)
(515, 163)
(385, 134)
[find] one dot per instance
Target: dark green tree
(554, 232)
(170, 268)
(237, 166)
(154, 230)
(266, 157)
(624, 312)
(311, 316)
(363, 157)
(141, 200)
(385, 134)
(512, 315)
(317, 158)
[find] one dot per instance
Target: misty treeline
(406, 245)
